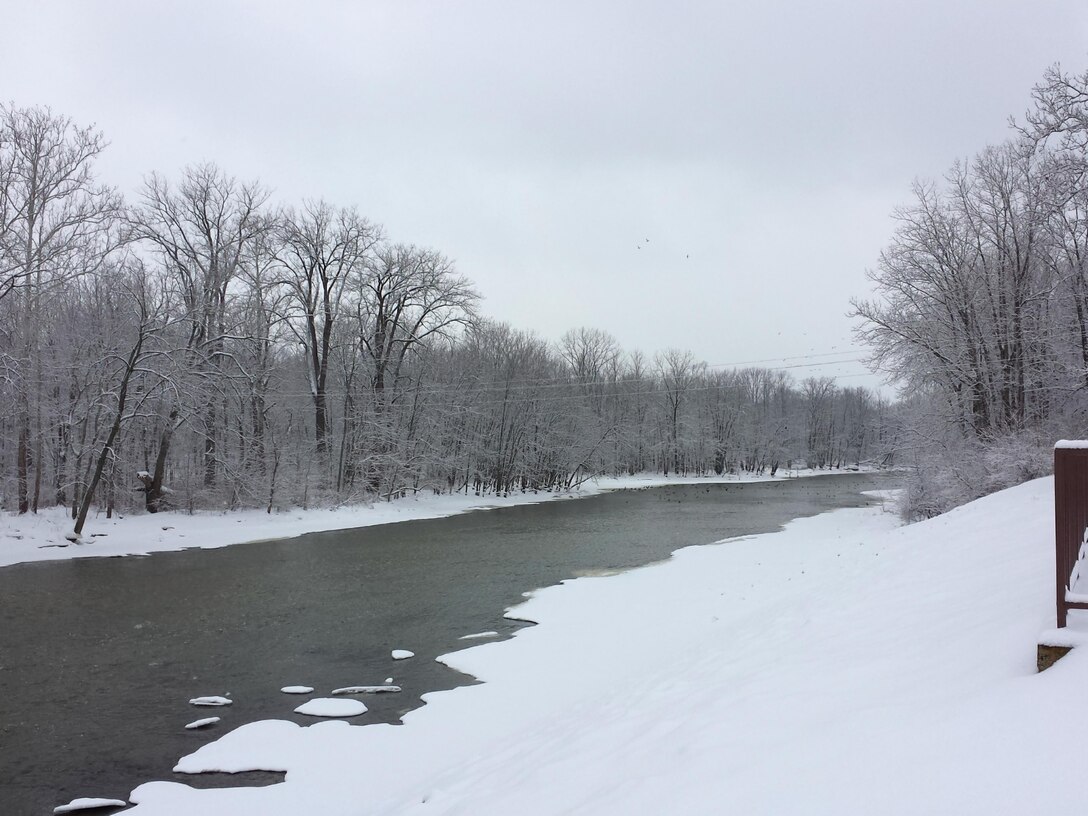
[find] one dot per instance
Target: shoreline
(40, 537)
(847, 647)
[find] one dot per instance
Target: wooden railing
(1070, 524)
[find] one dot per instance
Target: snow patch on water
(328, 707)
(86, 803)
(202, 723)
(366, 689)
(211, 701)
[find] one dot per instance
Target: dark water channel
(99, 657)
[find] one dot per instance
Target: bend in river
(99, 657)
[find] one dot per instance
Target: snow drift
(842, 666)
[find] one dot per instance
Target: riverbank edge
(42, 537)
(848, 653)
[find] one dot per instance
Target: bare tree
(117, 382)
(679, 373)
(322, 249)
(408, 295)
(56, 224)
(56, 221)
(200, 233)
(1060, 109)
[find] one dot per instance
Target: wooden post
(1070, 518)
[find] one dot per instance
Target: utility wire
(514, 393)
(572, 381)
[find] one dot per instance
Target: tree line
(198, 346)
(982, 304)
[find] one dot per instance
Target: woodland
(196, 344)
(981, 306)
(200, 346)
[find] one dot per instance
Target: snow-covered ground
(41, 537)
(845, 665)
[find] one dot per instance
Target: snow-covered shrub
(951, 473)
(1011, 460)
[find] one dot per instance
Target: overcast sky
(714, 176)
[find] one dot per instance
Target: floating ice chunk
(86, 804)
(402, 654)
(297, 689)
(211, 701)
(479, 635)
(202, 723)
(366, 689)
(388, 680)
(328, 707)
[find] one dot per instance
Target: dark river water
(99, 657)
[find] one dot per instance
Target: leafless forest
(196, 344)
(982, 307)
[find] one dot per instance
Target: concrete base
(1047, 656)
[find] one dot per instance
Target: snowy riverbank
(41, 537)
(843, 666)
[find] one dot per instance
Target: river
(99, 657)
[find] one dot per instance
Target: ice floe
(402, 654)
(202, 723)
(87, 804)
(297, 689)
(211, 701)
(328, 707)
(366, 689)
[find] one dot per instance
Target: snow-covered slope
(843, 666)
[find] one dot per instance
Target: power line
(564, 381)
(556, 383)
(786, 359)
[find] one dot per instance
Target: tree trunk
(209, 445)
(153, 493)
(22, 465)
(115, 428)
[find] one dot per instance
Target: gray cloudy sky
(715, 176)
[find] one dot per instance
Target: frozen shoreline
(878, 668)
(41, 537)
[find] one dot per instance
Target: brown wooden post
(1070, 518)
